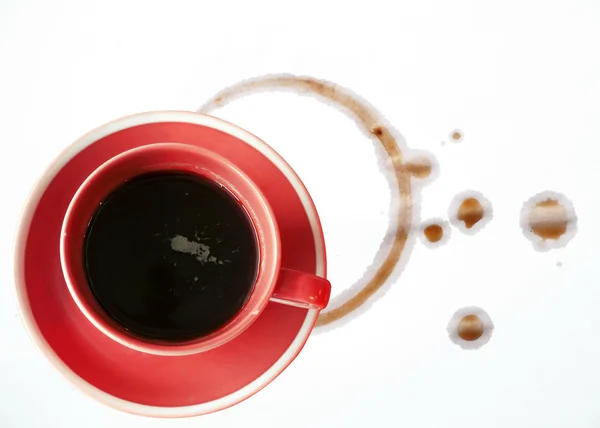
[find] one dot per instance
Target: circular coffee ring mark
(370, 122)
(470, 328)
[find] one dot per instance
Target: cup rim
(33, 200)
(269, 260)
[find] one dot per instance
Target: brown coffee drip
(370, 121)
(433, 233)
(548, 219)
(470, 328)
(470, 212)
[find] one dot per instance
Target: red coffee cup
(273, 283)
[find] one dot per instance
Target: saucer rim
(40, 188)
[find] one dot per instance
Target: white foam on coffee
(201, 251)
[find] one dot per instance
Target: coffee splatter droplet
(470, 212)
(548, 220)
(456, 136)
(470, 328)
(419, 167)
(433, 233)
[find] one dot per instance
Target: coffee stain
(470, 328)
(456, 136)
(433, 233)
(371, 123)
(470, 212)
(419, 167)
(548, 220)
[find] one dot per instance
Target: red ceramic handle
(301, 289)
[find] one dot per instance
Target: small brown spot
(548, 219)
(378, 130)
(470, 328)
(434, 233)
(456, 136)
(470, 212)
(419, 167)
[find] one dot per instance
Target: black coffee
(171, 256)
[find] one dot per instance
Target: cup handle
(301, 289)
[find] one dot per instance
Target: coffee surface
(171, 256)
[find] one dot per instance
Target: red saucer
(149, 384)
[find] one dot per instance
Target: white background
(521, 79)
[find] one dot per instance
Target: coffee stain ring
(371, 123)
